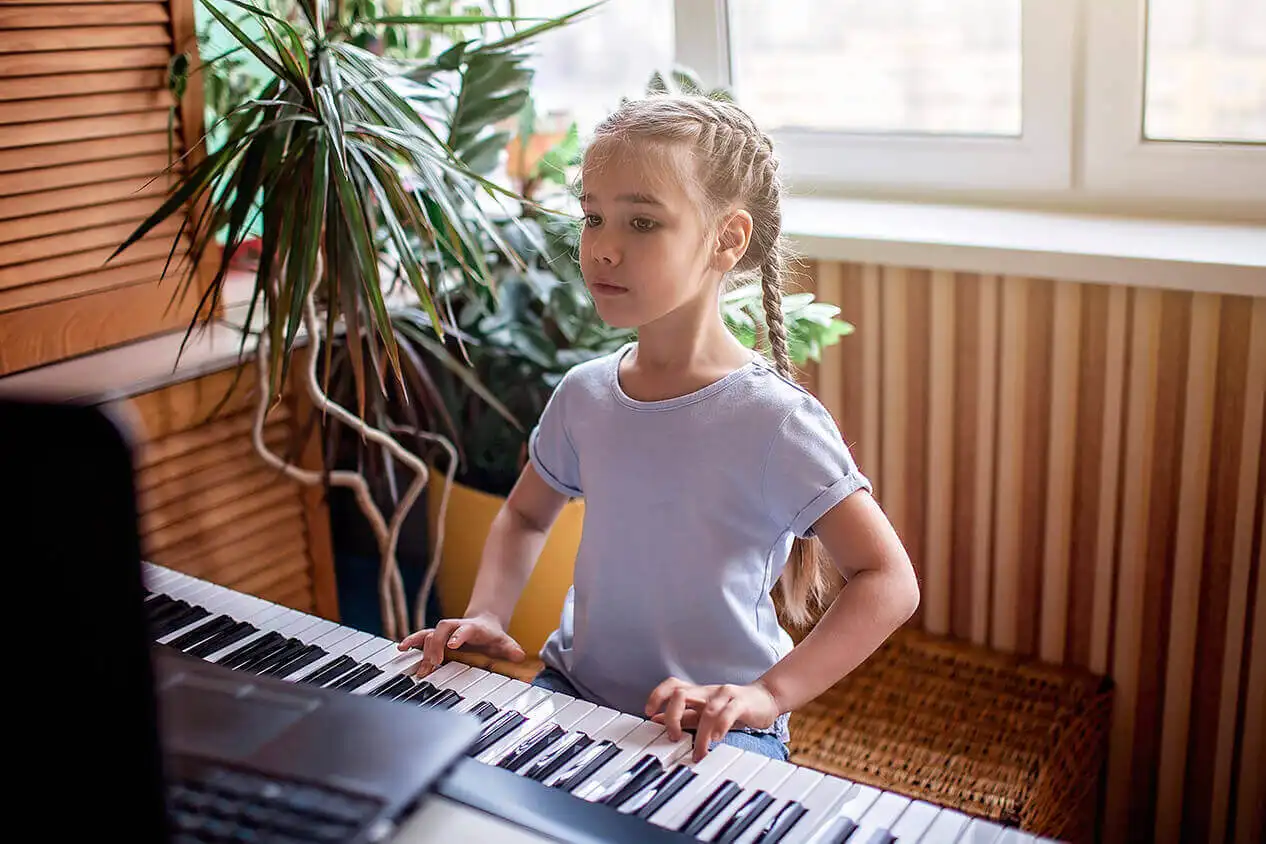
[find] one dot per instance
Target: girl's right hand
(481, 633)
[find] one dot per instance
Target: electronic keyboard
(563, 765)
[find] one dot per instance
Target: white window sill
(1206, 257)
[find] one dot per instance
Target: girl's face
(644, 250)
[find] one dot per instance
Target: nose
(603, 248)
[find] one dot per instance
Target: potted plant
(520, 341)
(354, 165)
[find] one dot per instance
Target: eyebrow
(633, 198)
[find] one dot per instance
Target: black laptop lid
(72, 555)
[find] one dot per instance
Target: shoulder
(591, 377)
(778, 399)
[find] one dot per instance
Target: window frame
(1082, 124)
(1116, 156)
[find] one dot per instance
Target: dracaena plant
(349, 162)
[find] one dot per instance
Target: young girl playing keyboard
(710, 477)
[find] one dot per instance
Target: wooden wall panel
(84, 156)
(1078, 471)
(210, 507)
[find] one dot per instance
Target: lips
(607, 288)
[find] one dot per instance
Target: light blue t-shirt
(691, 504)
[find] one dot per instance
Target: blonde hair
(735, 166)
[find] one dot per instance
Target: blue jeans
(764, 743)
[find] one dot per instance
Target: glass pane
(584, 68)
(908, 66)
(1206, 70)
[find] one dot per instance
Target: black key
(783, 821)
(646, 771)
(222, 640)
(330, 672)
(302, 661)
(746, 815)
(557, 756)
(840, 830)
(178, 621)
(161, 603)
(446, 699)
(495, 731)
(359, 677)
(710, 808)
(882, 836)
(201, 632)
(393, 687)
(666, 789)
(483, 710)
(532, 744)
(587, 765)
(289, 650)
(256, 647)
(161, 615)
(421, 691)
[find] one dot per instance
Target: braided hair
(735, 166)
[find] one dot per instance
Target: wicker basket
(1000, 737)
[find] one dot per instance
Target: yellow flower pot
(467, 521)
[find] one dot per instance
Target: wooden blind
(84, 120)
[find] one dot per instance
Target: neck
(690, 338)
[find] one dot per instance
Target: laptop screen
(72, 551)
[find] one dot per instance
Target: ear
(733, 238)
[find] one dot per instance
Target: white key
(1011, 835)
(743, 771)
(631, 749)
(793, 789)
(260, 622)
(160, 579)
(981, 831)
(881, 815)
(914, 821)
(668, 751)
(821, 805)
(595, 720)
(858, 800)
(481, 689)
(542, 712)
(707, 771)
(946, 828)
(613, 731)
(444, 676)
(213, 603)
(768, 779)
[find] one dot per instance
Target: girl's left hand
(711, 710)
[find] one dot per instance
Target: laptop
(132, 737)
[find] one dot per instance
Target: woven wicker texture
(1001, 737)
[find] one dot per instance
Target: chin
(617, 317)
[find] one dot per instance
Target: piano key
(483, 711)
(483, 688)
(446, 699)
(198, 632)
(536, 705)
(599, 758)
(945, 828)
(846, 818)
(631, 748)
(393, 687)
(741, 772)
(707, 771)
(753, 805)
(981, 831)
(224, 640)
(335, 643)
(914, 821)
(495, 730)
(654, 798)
(822, 803)
(712, 805)
(622, 788)
(876, 824)
(575, 773)
(557, 755)
(532, 745)
(1011, 835)
(789, 793)
(359, 677)
(290, 649)
(767, 780)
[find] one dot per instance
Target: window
(1131, 99)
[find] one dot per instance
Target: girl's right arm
(514, 543)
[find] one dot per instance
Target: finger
(508, 648)
(660, 694)
(673, 712)
(414, 640)
(707, 732)
(689, 719)
(434, 647)
(460, 636)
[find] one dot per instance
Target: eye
(644, 224)
(592, 221)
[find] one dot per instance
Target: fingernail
(452, 643)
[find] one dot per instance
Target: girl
(708, 475)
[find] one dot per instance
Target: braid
(772, 270)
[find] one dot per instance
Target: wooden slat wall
(1079, 473)
(210, 507)
(84, 115)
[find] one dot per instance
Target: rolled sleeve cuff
(541, 469)
(802, 524)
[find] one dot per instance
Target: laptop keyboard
(221, 804)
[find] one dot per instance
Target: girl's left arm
(880, 594)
